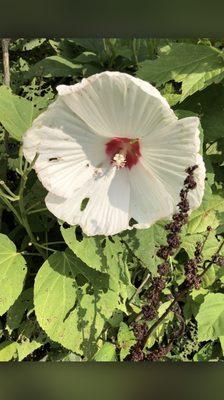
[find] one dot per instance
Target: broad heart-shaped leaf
(94, 251)
(12, 273)
(188, 243)
(26, 44)
(105, 255)
(16, 312)
(209, 105)
(27, 347)
(205, 353)
(107, 353)
(70, 314)
(221, 339)
(210, 317)
(89, 249)
(54, 66)
(126, 339)
(16, 113)
(193, 302)
(196, 66)
(31, 338)
(144, 243)
(94, 45)
(7, 351)
(207, 214)
(31, 44)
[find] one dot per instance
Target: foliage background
(66, 297)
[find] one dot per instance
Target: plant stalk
(6, 81)
(180, 294)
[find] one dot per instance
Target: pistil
(119, 160)
(123, 152)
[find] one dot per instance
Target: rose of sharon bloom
(111, 150)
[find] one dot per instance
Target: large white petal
(166, 153)
(107, 210)
(149, 200)
(69, 152)
(117, 104)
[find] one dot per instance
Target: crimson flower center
(123, 152)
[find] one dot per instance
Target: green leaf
(206, 214)
(107, 353)
(205, 353)
(70, 314)
(221, 339)
(54, 66)
(209, 277)
(89, 249)
(126, 339)
(116, 319)
(12, 273)
(210, 246)
(16, 312)
(13, 163)
(32, 44)
(210, 317)
(107, 256)
(158, 333)
(16, 113)
(86, 57)
(26, 44)
(195, 66)
(193, 302)
(31, 338)
(144, 243)
(26, 348)
(209, 106)
(94, 45)
(212, 118)
(7, 351)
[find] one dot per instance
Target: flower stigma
(119, 160)
(123, 152)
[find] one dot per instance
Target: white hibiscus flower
(111, 150)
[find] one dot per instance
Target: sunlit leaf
(12, 273)
(70, 314)
(126, 339)
(107, 353)
(195, 66)
(16, 113)
(210, 317)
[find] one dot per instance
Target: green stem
(134, 50)
(59, 242)
(109, 50)
(23, 213)
(26, 253)
(138, 291)
(33, 206)
(20, 169)
(6, 196)
(37, 210)
(180, 294)
(10, 193)
(45, 247)
(10, 206)
(46, 240)
(6, 81)
(5, 56)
